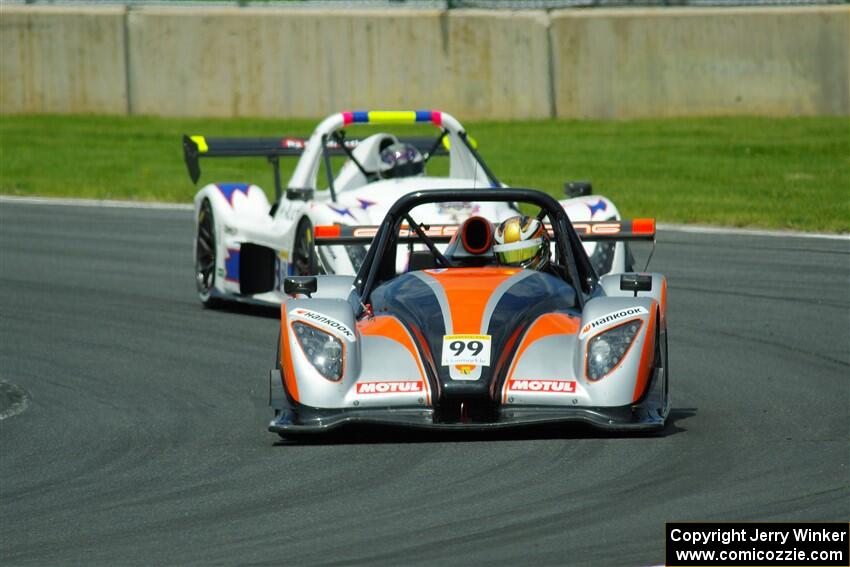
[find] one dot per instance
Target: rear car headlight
(323, 350)
(356, 253)
(603, 257)
(607, 349)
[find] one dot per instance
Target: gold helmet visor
(517, 253)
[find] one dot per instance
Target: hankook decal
(611, 318)
(323, 321)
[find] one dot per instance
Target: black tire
(277, 367)
(206, 255)
(304, 259)
(661, 358)
(277, 354)
(666, 361)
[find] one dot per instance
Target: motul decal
(399, 387)
(552, 386)
(324, 322)
(610, 318)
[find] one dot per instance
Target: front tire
(665, 360)
(304, 259)
(206, 255)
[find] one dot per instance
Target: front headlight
(607, 349)
(323, 350)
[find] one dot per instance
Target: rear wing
(593, 231)
(196, 147)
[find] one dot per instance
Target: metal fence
(433, 4)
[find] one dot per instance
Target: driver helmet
(401, 160)
(522, 242)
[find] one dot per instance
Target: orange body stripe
(391, 328)
(647, 356)
(467, 291)
(286, 356)
(664, 303)
(545, 326)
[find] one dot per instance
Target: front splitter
(313, 421)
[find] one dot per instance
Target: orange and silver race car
(508, 325)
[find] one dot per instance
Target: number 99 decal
(466, 349)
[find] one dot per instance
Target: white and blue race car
(245, 246)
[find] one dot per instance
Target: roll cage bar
(379, 264)
(328, 139)
(316, 149)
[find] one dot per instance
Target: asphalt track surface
(145, 438)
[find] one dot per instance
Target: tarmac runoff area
(146, 443)
(13, 400)
(670, 227)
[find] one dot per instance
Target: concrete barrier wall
(687, 61)
(62, 60)
(476, 64)
(238, 62)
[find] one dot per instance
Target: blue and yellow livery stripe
(392, 117)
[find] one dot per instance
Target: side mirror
(577, 189)
(635, 282)
(299, 193)
(304, 285)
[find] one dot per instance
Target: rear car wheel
(205, 255)
(304, 260)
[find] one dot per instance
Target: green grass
(760, 172)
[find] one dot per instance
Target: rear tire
(206, 256)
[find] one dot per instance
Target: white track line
(187, 207)
(94, 203)
(698, 229)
